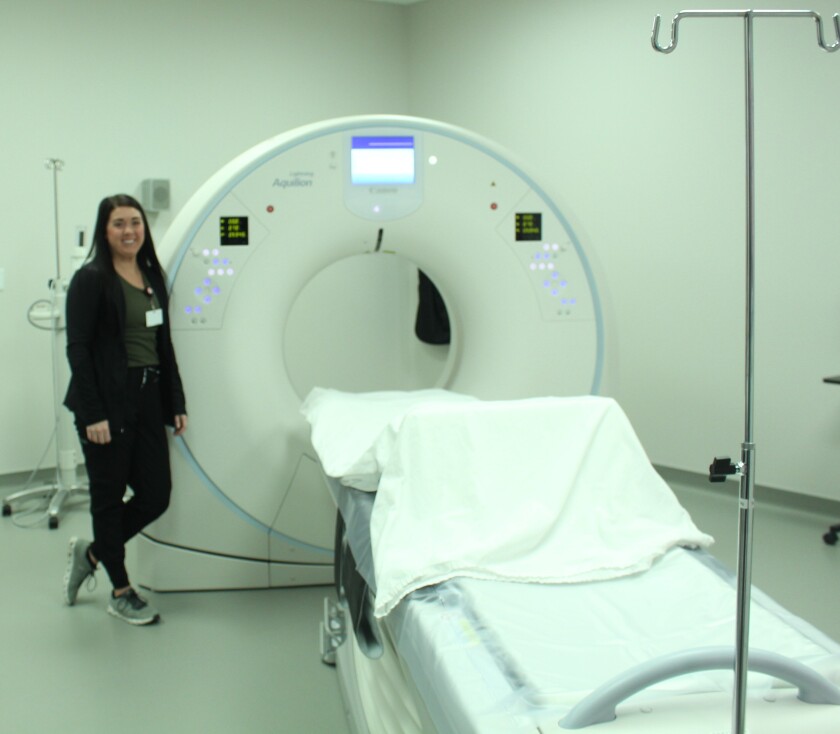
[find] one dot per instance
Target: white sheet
(346, 426)
(546, 490)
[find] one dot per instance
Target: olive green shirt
(140, 340)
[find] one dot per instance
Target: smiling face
(125, 233)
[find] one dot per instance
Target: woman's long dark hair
(100, 251)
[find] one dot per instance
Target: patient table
(522, 568)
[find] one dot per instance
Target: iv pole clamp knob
(722, 467)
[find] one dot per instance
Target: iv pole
(65, 485)
(721, 467)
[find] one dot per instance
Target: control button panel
(210, 267)
(547, 253)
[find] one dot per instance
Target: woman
(124, 387)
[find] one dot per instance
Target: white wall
(125, 91)
(646, 154)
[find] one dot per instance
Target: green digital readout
(528, 226)
(233, 230)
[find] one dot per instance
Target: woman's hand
(99, 432)
(180, 424)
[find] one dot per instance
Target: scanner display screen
(382, 160)
(233, 230)
(528, 226)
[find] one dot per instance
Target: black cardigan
(96, 350)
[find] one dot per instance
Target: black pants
(137, 457)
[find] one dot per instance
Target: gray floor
(232, 662)
(791, 562)
(248, 661)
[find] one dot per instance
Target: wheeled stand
(66, 484)
(57, 493)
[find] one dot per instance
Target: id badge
(154, 317)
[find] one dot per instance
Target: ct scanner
(296, 266)
(304, 264)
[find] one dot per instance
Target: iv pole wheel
(53, 523)
(7, 510)
(830, 537)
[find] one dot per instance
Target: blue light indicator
(207, 282)
(199, 291)
(564, 283)
(554, 292)
(188, 309)
(207, 299)
(197, 309)
(217, 290)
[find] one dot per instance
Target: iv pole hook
(654, 36)
(657, 21)
(820, 39)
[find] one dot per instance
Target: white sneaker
(78, 569)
